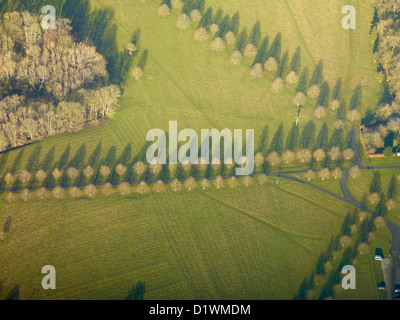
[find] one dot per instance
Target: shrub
(195, 15)
(334, 153)
(58, 192)
(353, 115)
(159, 186)
(183, 22)
(218, 45)
(313, 91)
(72, 173)
(236, 57)
(339, 125)
(201, 34)
(139, 168)
(40, 175)
(324, 174)
(232, 181)
(105, 171)
(246, 181)
(320, 112)
(257, 71)
(304, 156)
(25, 195)
(42, 193)
(310, 175)
(91, 191)
(374, 198)
(288, 157)
(277, 85)
(271, 65)
(390, 204)
(164, 11)
(348, 154)
(363, 248)
(259, 160)
(190, 183)
(88, 172)
(143, 187)
(24, 176)
(229, 38)
(262, 178)
(337, 173)
(299, 99)
(319, 155)
(292, 78)
(107, 189)
(388, 152)
(120, 169)
(175, 185)
(75, 192)
(176, 4)
(9, 196)
(274, 158)
(334, 105)
(124, 189)
(354, 172)
(137, 73)
(250, 51)
(9, 178)
(204, 183)
(214, 28)
(219, 182)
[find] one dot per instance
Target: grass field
(224, 245)
(255, 243)
(360, 186)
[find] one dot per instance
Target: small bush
(334, 105)
(164, 11)
(201, 34)
(313, 91)
(107, 189)
(214, 28)
(271, 65)
(230, 38)
(195, 16)
(218, 45)
(176, 4)
(257, 71)
(320, 112)
(183, 22)
(299, 99)
(292, 78)
(277, 85)
(250, 51)
(236, 57)
(137, 73)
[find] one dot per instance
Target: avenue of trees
(386, 27)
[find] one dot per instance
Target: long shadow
(14, 293)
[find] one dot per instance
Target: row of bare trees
(288, 157)
(126, 189)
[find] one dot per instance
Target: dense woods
(53, 81)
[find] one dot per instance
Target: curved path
(348, 198)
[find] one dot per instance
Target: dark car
(397, 288)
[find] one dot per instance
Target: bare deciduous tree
(124, 189)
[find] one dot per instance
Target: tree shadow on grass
(14, 293)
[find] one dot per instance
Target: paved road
(347, 197)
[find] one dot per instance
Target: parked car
(397, 288)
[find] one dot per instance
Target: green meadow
(257, 242)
